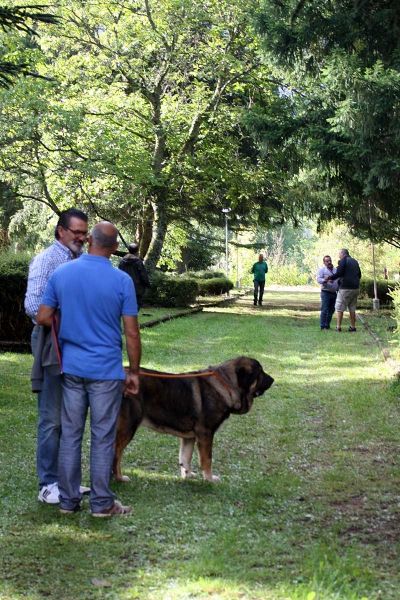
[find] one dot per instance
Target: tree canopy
(157, 115)
(340, 108)
(142, 119)
(18, 18)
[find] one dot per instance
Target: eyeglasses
(77, 232)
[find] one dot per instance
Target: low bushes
(15, 326)
(168, 290)
(171, 291)
(384, 287)
(204, 274)
(214, 286)
(180, 291)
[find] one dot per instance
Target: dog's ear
(246, 376)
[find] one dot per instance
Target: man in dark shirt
(348, 271)
(133, 265)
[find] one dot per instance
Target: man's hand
(131, 385)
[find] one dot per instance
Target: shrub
(204, 274)
(383, 289)
(214, 286)
(171, 291)
(15, 326)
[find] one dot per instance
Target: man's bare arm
(44, 315)
(134, 350)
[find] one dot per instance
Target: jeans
(49, 426)
(258, 291)
(328, 300)
(104, 399)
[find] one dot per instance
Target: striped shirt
(40, 269)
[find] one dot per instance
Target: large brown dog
(191, 406)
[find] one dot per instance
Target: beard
(76, 246)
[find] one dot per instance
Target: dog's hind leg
(204, 445)
(128, 422)
(185, 456)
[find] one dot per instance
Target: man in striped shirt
(70, 234)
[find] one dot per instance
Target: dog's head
(246, 380)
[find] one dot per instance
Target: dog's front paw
(212, 478)
(123, 479)
(187, 474)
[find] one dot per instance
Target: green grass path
(309, 503)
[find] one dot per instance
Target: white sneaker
(49, 494)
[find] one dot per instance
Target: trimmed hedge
(180, 291)
(171, 291)
(204, 274)
(15, 326)
(167, 290)
(383, 287)
(214, 287)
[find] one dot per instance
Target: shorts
(347, 300)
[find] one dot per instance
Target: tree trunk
(145, 230)
(160, 225)
(182, 265)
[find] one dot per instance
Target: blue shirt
(92, 296)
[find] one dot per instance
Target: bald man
(93, 296)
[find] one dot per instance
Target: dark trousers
(258, 291)
(328, 300)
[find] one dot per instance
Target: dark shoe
(352, 329)
(260, 304)
(338, 329)
(115, 509)
(77, 508)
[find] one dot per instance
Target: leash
(188, 376)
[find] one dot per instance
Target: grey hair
(101, 239)
(344, 251)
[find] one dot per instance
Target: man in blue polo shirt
(92, 296)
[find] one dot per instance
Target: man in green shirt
(259, 269)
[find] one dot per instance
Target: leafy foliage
(17, 18)
(384, 289)
(340, 64)
(15, 326)
(171, 291)
(137, 128)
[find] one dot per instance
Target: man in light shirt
(328, 293)
(70, 237)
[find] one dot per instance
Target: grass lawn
(309, 503)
